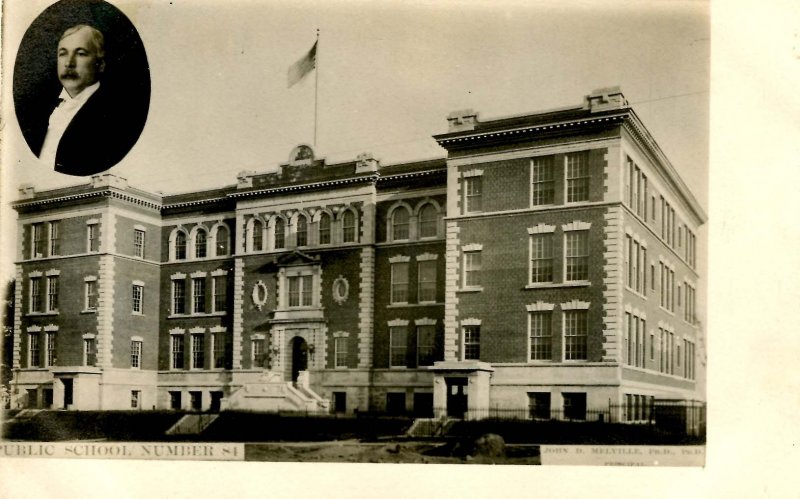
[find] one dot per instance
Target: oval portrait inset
(81, 86)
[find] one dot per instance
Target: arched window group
(405, 223)
(195, 243)
(301, 230)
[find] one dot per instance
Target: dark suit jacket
(99, 135)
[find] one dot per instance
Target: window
(55, 245)
(542, 181)
(575, 334)
(220, 283)
(472, 269)
(628, 263)
(196, 400)
(259, 352)
(428, 221)
(175, 400)
(91, 295)
(427, 281)
(398, 342)
(50, 349)
(178, 297)
(199, 295)
(280, 233)
(663, 280)
(349, 227)
(539, 405)
(221, 238)
(138, 243)
(473, 194)
(135, 398)
(200, 244)
(258, 235)
(180, 246)
(577, 255)
(302, 231)
(628, 342)
(540, 327)
(176, 348)
(36, 294)
(198, 351)
(93, 242)
(425, 344)
(138, 291)
(652, 346)
(136, 354)
(89, 352)
(396, 403)
(340, 351)
(628, 182)
(218, 339)
(324, 229)
(577, 177)
(38, 240)
(574, 405)
(635, 265)
(541, 258)
(399, 283)
(643, 270)
(34, 355)
(472, 342)
(52, 294)
(300, 288)
(400, 224)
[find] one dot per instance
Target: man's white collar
(81, 97)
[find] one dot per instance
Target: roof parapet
(366, 163)
(462, 120)
(604, 99)
(27, 191)
(109, 180)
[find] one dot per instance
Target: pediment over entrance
(296, 257)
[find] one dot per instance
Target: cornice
(443, 140)
(309, 186)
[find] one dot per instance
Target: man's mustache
(68, 75)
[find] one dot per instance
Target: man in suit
(87, 131)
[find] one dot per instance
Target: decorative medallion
(259, 294)
(341, 288)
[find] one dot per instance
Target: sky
(387, 76)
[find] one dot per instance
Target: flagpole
(316, 86)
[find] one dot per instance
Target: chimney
(604, 99)
(26, 191)
(366, 162)
(462, 120)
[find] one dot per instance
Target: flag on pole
(303, 66)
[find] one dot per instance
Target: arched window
(324, 228)
(200, 244)
(428, 221)
(180, 245)
(400, 224)
(348, 227)
(302, 230)
(221, 238)
(280, 233)
(258, 235)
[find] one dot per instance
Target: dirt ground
(352, 451)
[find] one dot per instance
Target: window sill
(415, 305)
(550, 285)
(41, 314)
(470, 289)
(89, 311)
(194, 316)
(398, 368)
(637, 293)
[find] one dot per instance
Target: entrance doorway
(299, 356)
(68, 392)
(456, 397)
